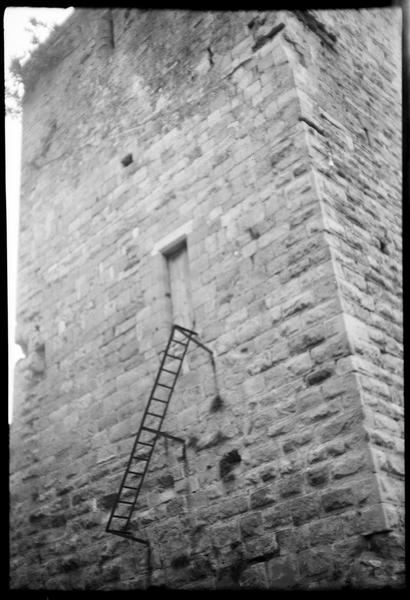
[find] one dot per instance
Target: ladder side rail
(158, 374)
(191, 332)
(125, 475)
(129, 536)
(161, 418)
(146, 410)
(138, 436)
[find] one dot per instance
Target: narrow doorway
(180, 285)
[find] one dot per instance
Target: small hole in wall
(180, 561)
(127, 160)
(383, 247)
(108, 501)
(366, 131)
(256, 21)
(253, 232)
(40, 348)
(216, 404)
(228, 462)
(210, 56)
(70, 564)
(192, 442)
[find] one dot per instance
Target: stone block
(307, 339)
(278, 516)
(225, 534)
(297, 304)
(351, 464)
(262, 497)
(337, 346)
(268, 472)
(250, 525)
(309, 398)
(293, 539)
(263, 454)
(326, 532)
(389, 463)
(261, 547)
(391, 490)
(317, 476)
(119, 431)
(254, 386)
(200, 567)
(269, 358)
(314, 563)
(321, 413)
(337, 499)
(299, 365)
(366, 521)
(176, 507)
(320, 375)
(342, 424)
(305, 508)
(282, 427)
(283, 572)
(345, 384)
(254, 577)
(291, 486)
(297, 440)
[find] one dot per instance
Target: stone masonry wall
(347, 125)
(245, 126)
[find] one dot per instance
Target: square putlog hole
(127, 160)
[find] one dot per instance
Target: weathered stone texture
(278, 135)
(355, 144)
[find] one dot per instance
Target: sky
(17, 43)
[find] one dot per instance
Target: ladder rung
(126, 534)
(168, 371)
(178, 342)
(191, 331)
(170, 352)
(150, 429)
(120, 532)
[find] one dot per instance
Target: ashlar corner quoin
(237, 174)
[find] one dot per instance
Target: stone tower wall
(272, 142)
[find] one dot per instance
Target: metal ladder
(149, 431)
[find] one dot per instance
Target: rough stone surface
(278, 135)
